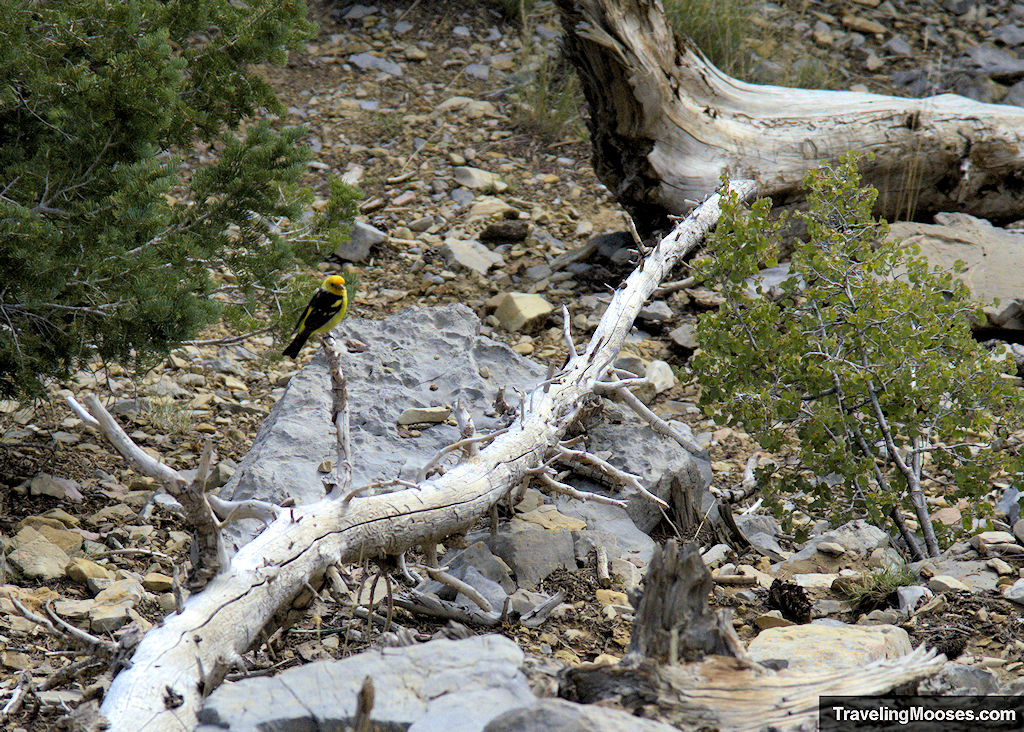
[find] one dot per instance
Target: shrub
(864, 363)
(110, 248)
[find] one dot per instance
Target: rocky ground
(466, 201)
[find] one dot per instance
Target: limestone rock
(945, 583)
(80, 570)
(366, 61)
(36, 558)
(972, 572)
(661, 376)
(533, 554)
(157, 582)
(476, 178)
(471, 255)
(683, 336)
(361, 241)
(457, 686)
(420, 415)
(992, 256)
(517, 310)
(825, 648)
(549, 715)
(384, 380)
(1015, 592)
(108, 617)
(548, 517)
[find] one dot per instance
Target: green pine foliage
(864, 365)
(109, 247)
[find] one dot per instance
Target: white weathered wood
(192, 650)
(665, 124)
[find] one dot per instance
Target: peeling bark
(666, 124)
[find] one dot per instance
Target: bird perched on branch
(325, 310)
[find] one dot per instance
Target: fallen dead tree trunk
(721, 688)
(665, 124)
(189, 653)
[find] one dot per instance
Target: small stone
(911, 596)
(477, 179)
(69, 541)
(157, 582)
(945, 583)
(80, 570)
(414, 53)
(985, 540)
(420, 415)
(1000, 567)
(948, 516)
(367, 61)
(422, 223)
(714, 556)
(548, 517)
(507, 230)
(831, 548)
(491, 207)
(863, 25)
(883, 617)
(517, 310)
(683, 336)
(105, 618)
(898, 46)
(15, 660)
(661, 376)
(626, 574)
(1018, 530)
(611, 597)
(121, 591)
(1015, 592)
(471, 255)
(772, 619)
(37, 558)
(873, 62)
(45, 484)
(523, 349)
(361, 241)
(815, 580)
(325, 466)
(656, 312)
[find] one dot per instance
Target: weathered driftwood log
(665, 124)
(190, 652)
(725, 691)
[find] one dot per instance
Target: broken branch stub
(673, 622)
(266, 576)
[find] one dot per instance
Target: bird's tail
(292, 351)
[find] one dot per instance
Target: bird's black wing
(321, 308)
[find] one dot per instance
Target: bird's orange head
(335, 284)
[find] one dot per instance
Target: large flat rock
(440, 686)
(420, 358)
(992, 256)
(824, 648)
(417, 358)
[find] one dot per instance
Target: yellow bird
(325, 310)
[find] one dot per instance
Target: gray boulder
(423, 357)
(557, 715)
(992, 257)
(956, 679)
(440, 686)
(406, 355)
